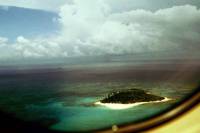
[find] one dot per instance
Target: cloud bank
(92, 28)
(117, 5)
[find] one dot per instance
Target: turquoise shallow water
(68, 106)
(89, 118)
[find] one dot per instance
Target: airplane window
(98, 65)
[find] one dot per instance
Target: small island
(130, 96)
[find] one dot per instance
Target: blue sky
(32, 18)
(52, 29)
(29, 23)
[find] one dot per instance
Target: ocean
(63, 98)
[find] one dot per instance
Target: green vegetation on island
(130, 96)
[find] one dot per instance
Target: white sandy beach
(116, 106)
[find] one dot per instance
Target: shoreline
(118, 106)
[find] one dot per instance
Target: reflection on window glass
(82, 65)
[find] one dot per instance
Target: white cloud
(91, 28)
(102, 31)
(3, 40)
(21, 40)
(117, 5)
